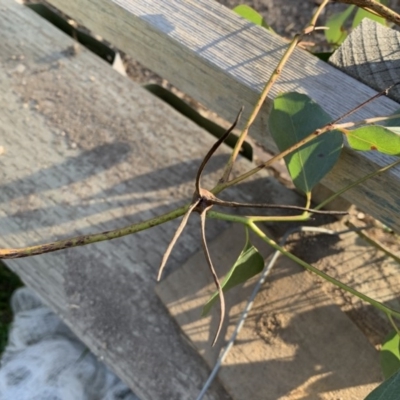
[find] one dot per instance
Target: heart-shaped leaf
(388, 390)
(293, 117)
(390, 355)
(249, 263)
(375, 137)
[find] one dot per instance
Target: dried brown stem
(375, 6)
(214, 148)
(383, 92)
(198, 196)
(214, 274)
(267, 88)
(178, 233)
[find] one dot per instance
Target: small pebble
(20, 68)
(72, 22)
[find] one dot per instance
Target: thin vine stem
(375, 243)
(253, 226)
(244, 219)
(267, 88)
(355, 183)
(309, 267)
(367, 121)
(83, 240)
(133, 228)
(393, 324)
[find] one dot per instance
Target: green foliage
(249, 263)
(361, 14)
(294, 116)
(375, 137)
(252, 15)
(390, 355)
(337, 31)
(388, 390)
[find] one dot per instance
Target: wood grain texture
(295, 344)
(359, 264)
(223, 61)
(84, 149)
(370, 54)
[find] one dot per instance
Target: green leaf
(293, 117)
(361, 14)
(252, 15)
(249, 263)
(390, 355)
(336, 33)
(375, 137)
(388, 390)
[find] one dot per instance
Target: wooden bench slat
(87, 150)
(369, 55)
(223, 61)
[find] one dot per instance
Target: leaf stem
(393, 324)
(246, 219)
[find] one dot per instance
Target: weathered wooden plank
(222, 61)
(296, 343)
(369, 54)
(85, 150)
